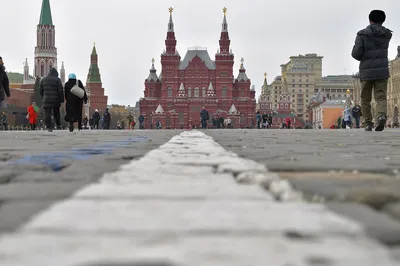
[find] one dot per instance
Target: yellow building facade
(393, 95)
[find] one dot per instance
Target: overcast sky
(128, 33)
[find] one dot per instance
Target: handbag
(78, 91)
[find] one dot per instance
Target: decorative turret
(153, 72)
(284, 101)
(62, 73)
(233, 110)
(170, 42)
(224, 41)
(94, 72)
(26, 71)
(45, 50)
(159, 109)
(242, 72)
(264, 88)
(181, 91)
(210, 91)
(45, 14)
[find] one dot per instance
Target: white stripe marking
(180, 202)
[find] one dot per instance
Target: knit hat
(377, 16)
(72, 76)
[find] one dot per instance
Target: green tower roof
(94, 74)
(45, 14)
(94, 52)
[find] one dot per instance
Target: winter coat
(356, 111)
(96, 117)
(204, 115)
(52, 90)
(347, 113)
(32, 115)
(107, 117)
(74, 104)
(371, 49)
(4, 84)
(258, 117)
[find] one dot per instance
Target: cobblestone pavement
(242, 197)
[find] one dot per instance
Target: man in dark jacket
(106, 119)
(4, 84)
(356, 112)
(371, 49)
(52, 92)
(204, 117)
(96, 119)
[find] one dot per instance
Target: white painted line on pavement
(180, 203)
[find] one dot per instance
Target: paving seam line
(192, 148)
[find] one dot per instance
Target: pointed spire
(242, 72)
(153, 72)
(170, 42)
(94, 51)
(62, 74)
(224, 41)
(94, 72)
(264, 90)
(233, 110)
(224, 23)
(26, 70)
(45, 14)
(159, 109)
(171, 23)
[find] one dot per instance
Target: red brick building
(176, 96)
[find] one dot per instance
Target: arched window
(288, 98)
(204, 92)
(286, 106)
(280, 98)
(196, 92)
(189, 92)
(282, 105)
(43, 38)
(224, 92)
(169, 92)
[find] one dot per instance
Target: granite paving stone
(199, 199)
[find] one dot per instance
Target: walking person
(258, 118)
(52, 92)
(4, 84)
(96, 119)
(371, 49)
(356, 112)
(106, 119)
(347, 116)
(141, 120)
(33, 111)
(4, 121)
(85, 122)
(204, 117)
(74, 104)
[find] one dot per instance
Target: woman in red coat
(32, 115)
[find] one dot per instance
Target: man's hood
(2, 68)
(53, 72)
(376, 30)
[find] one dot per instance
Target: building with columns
(175, 96)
